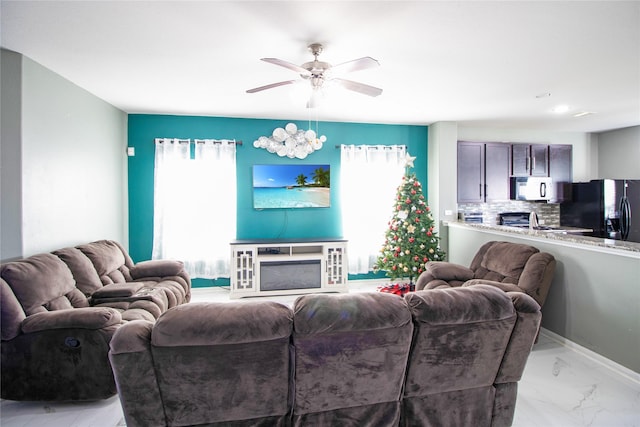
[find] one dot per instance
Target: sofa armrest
(156, 268)
(134, 370)
(448, 271)
(116, 290)
(78, 318)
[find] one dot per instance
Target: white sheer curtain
(195, 205)
(369, 178)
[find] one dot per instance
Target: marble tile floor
(564, 385)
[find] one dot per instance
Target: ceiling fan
(318, 73)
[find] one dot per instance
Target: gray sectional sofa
(442, 357)
(59, 311)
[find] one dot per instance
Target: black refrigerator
(610, 207)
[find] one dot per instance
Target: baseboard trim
(592, 355)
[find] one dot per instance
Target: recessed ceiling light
(583, 113)
(560, 109)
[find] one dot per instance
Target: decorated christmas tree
(410, 239)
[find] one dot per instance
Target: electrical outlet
(131, 151)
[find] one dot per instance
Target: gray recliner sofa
(59, 311)
(512, 267)
(434, 357)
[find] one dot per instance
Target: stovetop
(514, 219)
(521, 220)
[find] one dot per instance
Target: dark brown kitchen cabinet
(483, 172)
(561, 170)
(496, 172)
(470, 172)
(530, 160)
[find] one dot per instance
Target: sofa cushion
(115, 290)
(317, 313)
(107, 258)
(40, 280)
(506, 258)
(199, 324)
(84, 273)
(156, 268)
(460, 339)
(350, 356)
(452, 306)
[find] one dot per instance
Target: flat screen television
(291, 186)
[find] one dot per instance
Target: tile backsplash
(548, 213)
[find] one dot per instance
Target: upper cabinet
(530, 160)
(470, 172)
(485, 168)
(497, 160)
(483, 172)
(561, 170)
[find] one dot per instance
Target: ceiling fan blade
(358, 87)
(355, 65)
(285, 64)
(272, 85)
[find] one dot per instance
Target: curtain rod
(385, 146)
(220, 142)
(198, 141)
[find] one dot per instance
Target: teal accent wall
(252, 223)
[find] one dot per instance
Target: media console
(284, 267)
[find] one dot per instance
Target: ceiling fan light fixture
(318, 73)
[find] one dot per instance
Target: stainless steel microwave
(531, 188)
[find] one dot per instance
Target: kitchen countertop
(562, 236)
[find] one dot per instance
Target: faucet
(533, 220)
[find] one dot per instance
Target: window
(369, 178)
(195, 204)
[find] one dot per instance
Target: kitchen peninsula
(595, 294)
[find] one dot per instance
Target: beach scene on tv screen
(291, 186)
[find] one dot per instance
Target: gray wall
(619, 153)
(594, 297)
(68, 185)
(10, 179)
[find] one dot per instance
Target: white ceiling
(479, 63)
